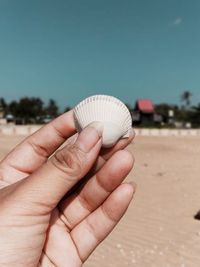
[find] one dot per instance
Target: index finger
(31, 153)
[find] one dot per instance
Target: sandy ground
(159, 229)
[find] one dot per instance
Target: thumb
(47, 186)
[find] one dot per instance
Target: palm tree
(186, 98)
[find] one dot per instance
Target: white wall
(29, 129)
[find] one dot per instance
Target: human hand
(41, 224)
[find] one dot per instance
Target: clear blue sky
(69, 49)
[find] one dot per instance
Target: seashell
(109, 110)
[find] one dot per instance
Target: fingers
(52, 181)
(34, 150)
(78, 206)
(106, 153)
(96, 227)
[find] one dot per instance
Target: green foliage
(33, 110)
(195, 116)
(181, 114)
(27, 108)
(164, 108)
(67, 109)
(3, 103)
(186, 98)
(51, 109)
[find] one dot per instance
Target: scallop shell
(109, 110)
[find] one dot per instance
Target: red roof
(145, 105)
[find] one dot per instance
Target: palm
(59, 241)
(67, 234)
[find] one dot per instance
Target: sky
(70, 49)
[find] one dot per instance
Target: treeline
(186, 113)
(34, 110)
(182, 116)
(30, 110)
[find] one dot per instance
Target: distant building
(144, 113)
(146, 110)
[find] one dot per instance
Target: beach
(159, 229)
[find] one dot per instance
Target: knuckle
(70, 160)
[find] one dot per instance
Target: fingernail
(98, 126)
(131, 133)
(89, 137)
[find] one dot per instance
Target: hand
(44, 223)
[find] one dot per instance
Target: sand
(159, 229)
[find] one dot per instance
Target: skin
(44, 220)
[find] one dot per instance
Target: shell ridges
(108, 110)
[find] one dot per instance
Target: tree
(13, 108)
(3, 107)
(3, 103)
(186, 98)
(195, 116)
(163, 109)
(30, 107)
(52, 109)
(67, 109)
(27, 108)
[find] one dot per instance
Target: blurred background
(55, 53)
(146, 53)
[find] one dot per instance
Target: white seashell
(109, 110)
